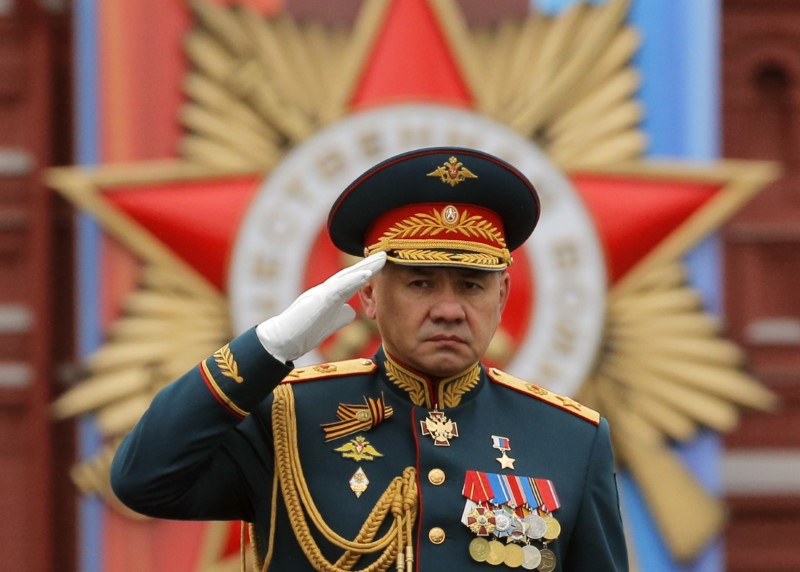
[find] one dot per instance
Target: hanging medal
(503, 444)
(439, 427)
(549, 504)
(477, 515)
(547, 561)
(531, 557)
(512, 517)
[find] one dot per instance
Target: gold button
(436, 535)
(436, 476)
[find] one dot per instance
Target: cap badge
(450, 216)
(452, 172)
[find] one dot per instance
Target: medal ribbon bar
(500, 488)
(514, 487)
(477, 487)
(547, 490)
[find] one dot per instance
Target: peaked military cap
(440, 206)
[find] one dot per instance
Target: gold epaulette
(565, 403)
(332, 369)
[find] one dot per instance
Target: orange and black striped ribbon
(355, 418)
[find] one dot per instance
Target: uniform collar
(425, 391)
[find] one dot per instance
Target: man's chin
(444, 364)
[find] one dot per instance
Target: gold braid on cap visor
(417, 239)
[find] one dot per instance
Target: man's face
(438, 321)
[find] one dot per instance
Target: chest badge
(358, 449)
(359, 482)
(440, 428)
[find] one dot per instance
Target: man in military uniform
(419, 458)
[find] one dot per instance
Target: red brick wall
(761, 120)
(37, 505)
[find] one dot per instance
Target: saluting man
(418, 458)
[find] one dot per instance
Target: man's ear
(505, 289)
(367, 295)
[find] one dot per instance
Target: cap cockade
(443, 206)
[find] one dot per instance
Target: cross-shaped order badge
(502, 444)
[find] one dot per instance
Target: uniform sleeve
(598, 541)
(189, 456)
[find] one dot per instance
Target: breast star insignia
(358, 449)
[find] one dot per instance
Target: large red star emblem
(183, 217)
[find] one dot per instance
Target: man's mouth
(447, 338)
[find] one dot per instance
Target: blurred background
(208, 97)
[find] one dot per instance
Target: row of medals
(518, 532)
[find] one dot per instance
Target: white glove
(317, 313)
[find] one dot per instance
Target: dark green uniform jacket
(205, 451)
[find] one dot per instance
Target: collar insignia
(446, 393)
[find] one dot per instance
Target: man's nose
(447, 306)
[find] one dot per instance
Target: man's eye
(419, 283)
(473, 285)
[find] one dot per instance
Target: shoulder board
(332, 369)
(542, 394)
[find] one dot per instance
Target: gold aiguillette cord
(399, 498)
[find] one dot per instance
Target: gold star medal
(440, 428)
(503, 444)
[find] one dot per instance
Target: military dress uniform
(193, 455)
(367, 463)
